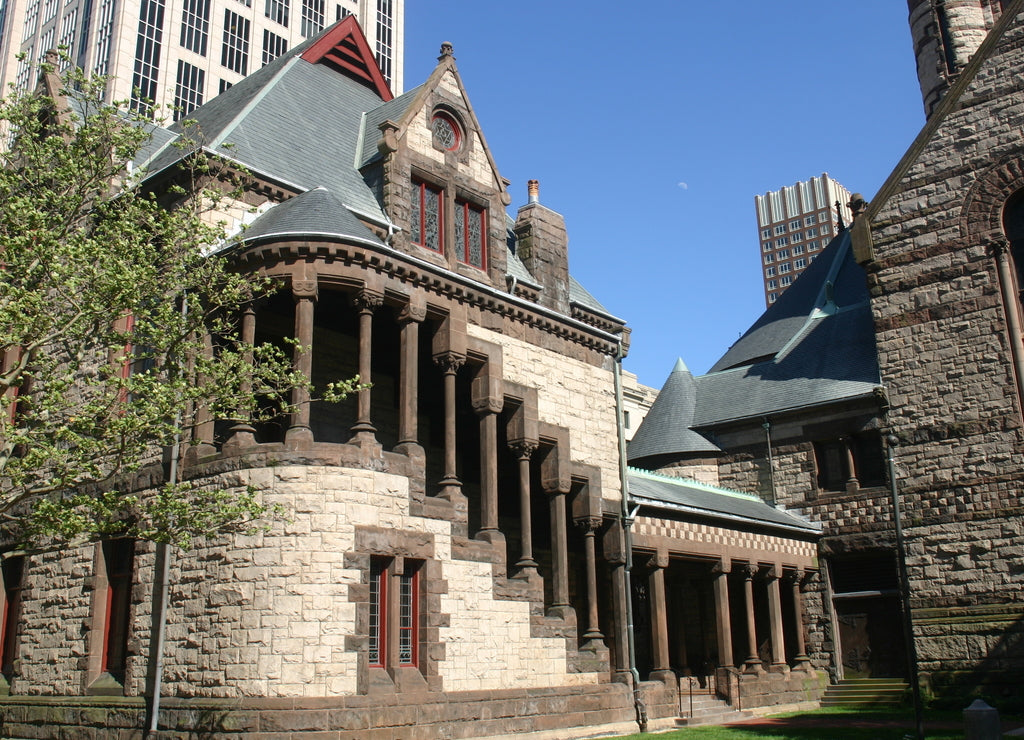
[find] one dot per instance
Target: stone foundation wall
(573, 712)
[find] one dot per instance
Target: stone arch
(981, 219)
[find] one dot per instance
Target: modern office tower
(795, 223)
(177, 54)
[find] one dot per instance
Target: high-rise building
(177, 54)
(795, 223)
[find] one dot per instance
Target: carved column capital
(721, 568)
(523, 448)
(589, 524)
(304, 288)
(749, 571)
(658, 560)
(450, 362)
(793, 577)
(997, 246)
(367, 301)
(412, 313)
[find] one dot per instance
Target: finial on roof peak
(446, 50)
(680, 366)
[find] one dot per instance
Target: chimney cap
(533, 191)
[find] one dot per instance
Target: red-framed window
(117, 556)
(401, 593)
(378, 612)
(426, 219)
(408, 616)
(470, 234)
(13, 570)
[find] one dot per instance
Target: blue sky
(652, 127)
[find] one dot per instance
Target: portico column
(242, 432)
(366, 302)
(409, 318)
(753, 663)
(775, 612)
(659, 617)
(590, 526)
(794, 579)
(203, 419)
(489, 475)
(559, 554)
(852, 484)
(524, 449)
(723, 621)
(451, 486)
(305, 292)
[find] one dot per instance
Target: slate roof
(815, 345)
(308, 127)
(317, 213)
(293, 122)
(666, 428)
(706, 501)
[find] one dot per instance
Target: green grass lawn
(834, 723)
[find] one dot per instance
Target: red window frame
(117, 556)
(420, 231)
(13, 574)
(382, 628)
(409, 616)
(378, 647)
(465, 211)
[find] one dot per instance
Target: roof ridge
(709, 488)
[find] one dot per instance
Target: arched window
(1013, 228)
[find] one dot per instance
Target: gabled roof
(711, 502)
(294, 122)
(666, 427)
(815, 345)
(344, 47)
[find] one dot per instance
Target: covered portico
(718, 583)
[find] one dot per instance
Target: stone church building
(466, 553)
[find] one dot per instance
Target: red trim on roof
(343, 47)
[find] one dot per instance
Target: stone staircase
(707, 710)
(887, 692)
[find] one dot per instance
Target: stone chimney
(946, 33)
(543, 246)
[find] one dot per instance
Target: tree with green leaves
(118, 325)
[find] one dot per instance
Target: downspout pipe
(767, 426)
(626, 520)
(163, 569)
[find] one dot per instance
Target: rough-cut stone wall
(945, 361)
(273, 614)
(571, 394)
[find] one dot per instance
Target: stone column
(1012, 310)
(409, 318)
(753, 662)
(615, 556)
(242, 432)
(659, 619)
(363, 431)
(489, 531)
(723, 621)
(779, 664)
(852, 484)
(559, 555)
(794, 579)
(524, 449)
(451, 486)
(203, 433)
(590, 526)
(305, 293)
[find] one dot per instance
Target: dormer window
(469, 233)
(425, 218)
(446, 132)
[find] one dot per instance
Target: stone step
(865, 691)
(707, 710)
